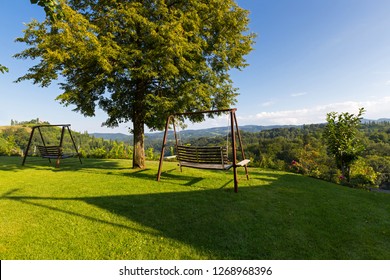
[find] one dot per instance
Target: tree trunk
(138, 126)
(346, 171)
(139, 149)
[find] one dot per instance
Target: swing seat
(205, 158)
(53, 152)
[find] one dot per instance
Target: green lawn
(104, 210)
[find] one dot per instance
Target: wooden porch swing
(215, 157)
(52, 151)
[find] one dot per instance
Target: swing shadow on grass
(287, 217)
(14, 163)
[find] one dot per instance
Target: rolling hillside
(189, 133)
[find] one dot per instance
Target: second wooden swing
(53, 151)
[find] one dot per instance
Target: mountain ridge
(213, 131)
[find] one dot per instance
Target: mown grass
(105, 210)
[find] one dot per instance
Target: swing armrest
(170, 157)
(243, 162)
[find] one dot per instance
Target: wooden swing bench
(53, 152)
(206, 158)
(50, 151)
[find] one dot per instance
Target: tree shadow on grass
(212, 221)
(10, 163)
(184, 220)
(271, 220)
(35, 201)
(219, 223)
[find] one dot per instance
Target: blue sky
(311, 57)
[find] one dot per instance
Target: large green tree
(141, 60)
(341, 134)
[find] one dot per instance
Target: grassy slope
(104, 210)
(14, 127)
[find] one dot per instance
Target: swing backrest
(203, 157)
(50, 151)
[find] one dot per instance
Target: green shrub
(363, 175)
(98, 153)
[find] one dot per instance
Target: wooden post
(61, 140)
(163, 148)
(177, 142)
(242, 148)
(74, 144)
(232, 121)
(28, 145)
(62, 136)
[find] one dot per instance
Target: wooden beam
(232, 121)
(163, 148)
(205, 112)
(74, 144)
(49, 125)
(242, 149)
(28, 146)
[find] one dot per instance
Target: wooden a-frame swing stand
(51, 152)
(207, 157)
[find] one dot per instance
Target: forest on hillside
(295, 149)
(303, 150)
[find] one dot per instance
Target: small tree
(341, 136)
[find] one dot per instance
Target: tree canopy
(140, 61)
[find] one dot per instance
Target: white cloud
(298, 94)
(374, 109)
(267, 104)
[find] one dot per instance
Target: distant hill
(14, 127)
(377, 121)
(207, 132)
(121, 137)
(190, 133)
